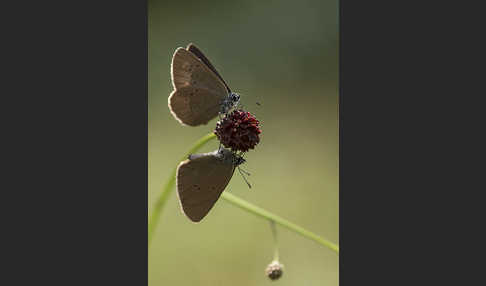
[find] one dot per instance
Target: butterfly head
(234, 98)
(239, 160)
(230, 156)
(229, 102)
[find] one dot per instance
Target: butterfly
(200, 93)
(202, 178)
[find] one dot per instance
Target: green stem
(169, 186)
(275, 240)
(281, 221)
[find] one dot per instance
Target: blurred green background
(284, 55)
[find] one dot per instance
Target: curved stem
(281, 221)
(169, 186)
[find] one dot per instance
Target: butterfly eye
(235, 97)
(240, 161)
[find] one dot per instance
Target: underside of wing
(200, 182)
(194, 84)
(196, 51)
(192, 106)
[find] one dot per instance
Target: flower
(238, 130)
(274, 270)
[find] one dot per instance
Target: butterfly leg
(243, 176)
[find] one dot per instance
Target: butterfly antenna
(244, 178)
(244, 171)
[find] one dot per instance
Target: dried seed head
(274, 270)
(238, 130)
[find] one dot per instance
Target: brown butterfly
(200, 93)
(202, 178)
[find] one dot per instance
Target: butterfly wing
(200, 181)
(196, 51)
(198, 91)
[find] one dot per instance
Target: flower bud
(274, 270)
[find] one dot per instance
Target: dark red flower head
(238, 130)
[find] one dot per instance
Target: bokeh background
(284, 55)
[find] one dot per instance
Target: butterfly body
(229, 103)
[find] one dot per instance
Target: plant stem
(275, 240)
(281, 221)
(169, 186)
